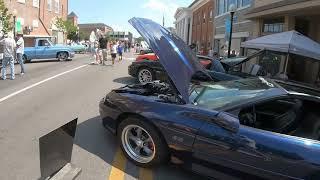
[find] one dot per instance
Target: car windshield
(221, 94)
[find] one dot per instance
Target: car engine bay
(162, 90)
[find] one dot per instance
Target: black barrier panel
(56, 149)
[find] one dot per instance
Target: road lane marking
(145, 174)
(118, 166)
(38, 83)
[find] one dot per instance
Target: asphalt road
(49, 95)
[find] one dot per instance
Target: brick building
(72, 17)
(274, 16)
(242, 27)
(202, 24)
(89, 27)
(121, 35)
(37, 17)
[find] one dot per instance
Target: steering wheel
(250, 118)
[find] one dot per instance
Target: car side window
(43, 43)
(276, 115)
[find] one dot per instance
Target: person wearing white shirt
(20, 52)
(9, 45)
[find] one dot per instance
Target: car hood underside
(175, 56)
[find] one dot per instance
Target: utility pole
(163, 20)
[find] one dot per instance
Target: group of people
(13, 48)
(100, 46)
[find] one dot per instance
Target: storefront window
(246, 3)
(224, 5)
(210, 14)
(230, 2)
(273, 25)
(221, 6)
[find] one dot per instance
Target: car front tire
(62, 56)
(145, 75)
(142, 143)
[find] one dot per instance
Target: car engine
(160, 89)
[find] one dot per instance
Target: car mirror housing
(228, 122)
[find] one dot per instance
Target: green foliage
(84, 36)
(5, 18)
(68, 27)
(139, 39)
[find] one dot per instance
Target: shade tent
(291, 42)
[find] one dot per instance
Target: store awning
(287, 42)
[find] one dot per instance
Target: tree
(69, 28)
(84, 36)
(5, 18)
(139, 39)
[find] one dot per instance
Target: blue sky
(116, 13)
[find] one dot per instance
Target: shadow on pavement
(43, 61)
(94, 138)
(125, 80)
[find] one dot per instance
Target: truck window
(43, 43)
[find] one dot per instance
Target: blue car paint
(46, 52)
(194, 134)
(206, 139)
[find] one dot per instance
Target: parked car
(149, 56)
(145, 51)
(245, 128)
(147, 68)
(79, 47)
(43, 48)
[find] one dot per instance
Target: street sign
(18, 26)
(228, 26)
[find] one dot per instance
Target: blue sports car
(240, 129)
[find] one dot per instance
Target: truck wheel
(25, 59)
(62, 56)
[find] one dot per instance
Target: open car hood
(175, 56)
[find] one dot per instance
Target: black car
(149, 70)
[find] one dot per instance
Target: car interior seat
(288, 121)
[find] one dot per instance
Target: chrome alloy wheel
(145, 76)
(138, 144)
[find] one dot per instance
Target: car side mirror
(228, 122)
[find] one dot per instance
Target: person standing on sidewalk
(20, 52)
(120, 50)
(113, 52)
(9, 46)
(103, 42)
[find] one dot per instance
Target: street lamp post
(232, 11)
(14, 12)
(78, 33)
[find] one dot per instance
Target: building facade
(121, 36)
(242, 27)
(202, 25)
(89, 27)
(183, 18)
(73, 18)
(274, 16)
(38, 17)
